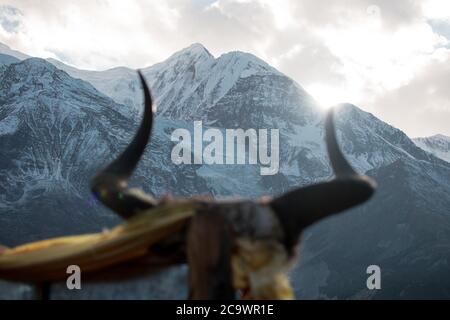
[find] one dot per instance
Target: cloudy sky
(391, 58)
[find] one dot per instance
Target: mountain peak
(197, 47)
(38, 73)
(441, 137)
(436, 137)
(243, 55)
(438, 145)
(39, 63)
(4, 49)
(195, 51)
(32, 67)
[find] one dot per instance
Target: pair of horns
(296, 209)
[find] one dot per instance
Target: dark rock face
(400, 230)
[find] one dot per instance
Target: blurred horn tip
(367, 185)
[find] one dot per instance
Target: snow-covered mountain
(57, 131)
(239, 90)
(50, 131)
(438, 145)
(121, 84)
(7, 60)
(4, 49)
(184, 85)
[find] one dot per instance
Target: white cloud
(362, 51)
(437, 9)
(421, 106)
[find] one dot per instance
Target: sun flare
(325, 96)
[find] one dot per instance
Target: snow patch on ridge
(9, 125)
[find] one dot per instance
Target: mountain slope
(438, 145)
(405, 230)
(52, 134)
(6, 50)
(121, 84)
(7, 60)
(55, 133)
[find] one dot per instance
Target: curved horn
(302, 207)
(110, 185)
